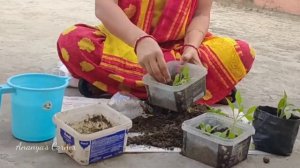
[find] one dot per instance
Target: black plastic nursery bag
(272, 134)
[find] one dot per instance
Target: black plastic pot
(273, 134)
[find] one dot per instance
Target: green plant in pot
(182, 77)
(217, 139)
(276, 128)
(230, 132)
(187, 86)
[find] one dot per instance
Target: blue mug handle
(5, 89)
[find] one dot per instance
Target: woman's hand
(151, 58)
(190, 55)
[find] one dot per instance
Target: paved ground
(29, 29)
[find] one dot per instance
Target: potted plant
(217, 140)
(188, 85)
(276, 128)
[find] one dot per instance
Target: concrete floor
(28, 32)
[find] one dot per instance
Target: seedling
(285, 109)
(231, 132)
(216, 130)
(182, 77)
(207, 128)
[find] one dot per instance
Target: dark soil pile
(163, 128)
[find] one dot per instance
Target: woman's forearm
(199, 25)
(197, 30)
(116, 21)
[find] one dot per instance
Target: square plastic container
(177, 98)
(91, 148)
(211, 149)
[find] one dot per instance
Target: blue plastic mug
(35, 98)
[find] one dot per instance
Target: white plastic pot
(211, 149)
(177, 98)
(90, 148)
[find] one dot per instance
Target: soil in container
(91, 125)
(163, 128)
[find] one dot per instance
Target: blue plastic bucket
(35, 99)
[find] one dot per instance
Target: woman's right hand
(151, 58)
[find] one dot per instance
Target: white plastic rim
(119, 121)
(197, 73)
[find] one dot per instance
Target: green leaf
(182, 77)
(208, 128)
(298, 110)
(202, 126)
(214, 128)
(224, 134)
(250, 118)
(213, 110)
(249, 114)
(216, 111)
(238, 98)
(241, 108)
(231, 135)
(186, 73)
(176, 80)
(219, 134)
(231, 105)
(282, 105)
(288, 114)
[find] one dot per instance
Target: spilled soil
(162, 128)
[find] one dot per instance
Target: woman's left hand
(190, 55)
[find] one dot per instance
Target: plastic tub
(177, 98)
(35, 98)
(90, 148)
(211, 149)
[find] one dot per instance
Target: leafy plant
(182, 77)
(284, 109)
(241, 113)
(208, 129)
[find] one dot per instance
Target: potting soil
(163, 128)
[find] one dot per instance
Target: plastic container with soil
(177, 98)
(91, 134)
(273, 134)
(211, 149)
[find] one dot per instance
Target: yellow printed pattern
(65, 55)
(86, 67)
(227, 54)
(100, 85)
(86, 44)
(116, 77)
(123, 50)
